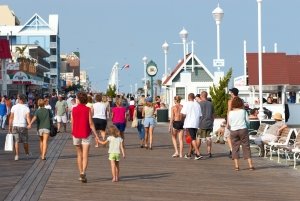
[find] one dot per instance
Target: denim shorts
(121, 126)
(80, 141)
(149, 122)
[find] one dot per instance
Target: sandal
(237, 169)
(252, 168)
(175, 156)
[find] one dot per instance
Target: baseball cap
(235, 91)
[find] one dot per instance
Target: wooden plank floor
(153, 175)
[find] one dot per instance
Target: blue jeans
(3, 121)
(141, 129)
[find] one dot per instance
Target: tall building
(36, 31)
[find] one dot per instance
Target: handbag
(9, 142)
(53, 128)
(134, 123)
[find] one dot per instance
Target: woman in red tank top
(82, 125)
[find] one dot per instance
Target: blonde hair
(177, 99)
(114, 131)
(41, 103)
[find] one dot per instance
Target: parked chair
(253, 134)
(296, 149)
(283, 141)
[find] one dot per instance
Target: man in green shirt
(61, 109)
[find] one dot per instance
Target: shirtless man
(176, 127)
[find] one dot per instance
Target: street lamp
(165, 48)
(145, 59)
(183, 35)
(116, 69)
(218, 15)
(261, 111)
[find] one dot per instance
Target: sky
(124, 31)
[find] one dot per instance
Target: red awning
(4, 49)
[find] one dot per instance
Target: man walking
(206, 122)
(18, 121)
(191, 112)
(61, 109)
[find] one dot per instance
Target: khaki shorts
(203, 133)
(80, 141)
(43, 131)
(20, 134)
(62, 118)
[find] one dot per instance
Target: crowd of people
(89, 114)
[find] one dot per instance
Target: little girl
(115, 145)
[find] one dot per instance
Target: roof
(277, 69)
(200, 71)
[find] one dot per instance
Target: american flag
(125, 66)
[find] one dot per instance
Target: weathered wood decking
(145, 174)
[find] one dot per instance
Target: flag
(125, 66)
(4, 49)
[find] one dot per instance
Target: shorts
(149, 122)
(80, 141)
(120, 126)
(100, 124)
(43, 131)
(114, 157)
(203, 133)
(178, 125)
(193, 132)
(20, 134)
(62, 118)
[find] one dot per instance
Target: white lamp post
(165, 48)
(261, 111)
(116, 68)
(183, 35)
(145, 59)
(218, 15)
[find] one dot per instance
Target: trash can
(162, 115)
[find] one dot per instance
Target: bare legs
(44, 145)
(115, 170)
(149, 136)
(178, 133)
(82, 157)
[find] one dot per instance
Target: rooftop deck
(145, 174)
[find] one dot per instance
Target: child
(220, 133)
(115, 145)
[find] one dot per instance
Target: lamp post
(261, 111)
(183, 35)
(116, 69)
(218, 15)
(145, 59)
(165, 48)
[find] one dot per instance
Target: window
(180, 91)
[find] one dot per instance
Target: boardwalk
(145, 174)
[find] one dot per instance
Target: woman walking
(3, 113)
(43, 117)
(176, 127)
(99, 112)
(138, 113)
(149, 122)
(82, 124)
(237, 119)
(119, 116)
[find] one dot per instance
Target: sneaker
(198, 157)
(16, 157)
(187, 156)
(83, 178)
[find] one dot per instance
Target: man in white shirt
(191, 111)
(18, 121)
